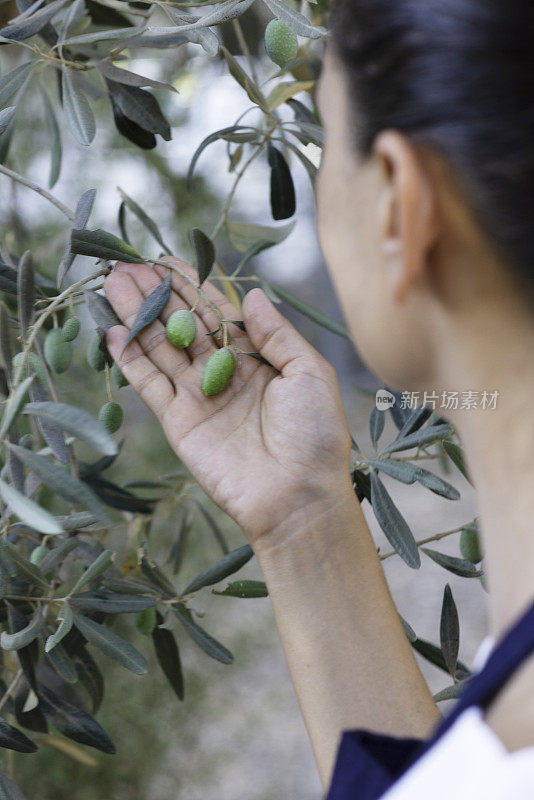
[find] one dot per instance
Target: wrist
(314, 517)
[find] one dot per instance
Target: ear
(408, 210)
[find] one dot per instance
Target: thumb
(274, 336)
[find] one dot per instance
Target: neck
(498, 449)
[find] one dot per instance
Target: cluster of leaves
(61, 587)
(430, 435)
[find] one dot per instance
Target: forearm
(349, 658)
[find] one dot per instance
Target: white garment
(469, 761)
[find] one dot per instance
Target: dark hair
(455, 75)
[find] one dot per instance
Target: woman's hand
(272, 442)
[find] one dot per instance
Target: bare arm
(350, 661)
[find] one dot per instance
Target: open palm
(275, 439)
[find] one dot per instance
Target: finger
(275, 337)
(154, 388)
(125, 296)
(147, 280)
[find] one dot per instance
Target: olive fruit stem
(108, 384)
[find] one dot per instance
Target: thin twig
(39, 189)
(10, 689)
(436, 537)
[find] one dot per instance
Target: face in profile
(362, 244)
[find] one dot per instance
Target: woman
(423, 201)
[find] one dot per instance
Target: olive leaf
(433, 654)
(155, 575)
(308, 165)
(433, 433)
(81, 218)
(89, 675)
(259, 357)
(101, 311)
(101, 244)
(451, 692)
(55, 556)
(5, 339)
(231, 563)
(168, 656)
(217, 533)
(25, 569)
(245, 588)
(99, 565)
(205, 37)
(143, 217)
(26, 292)
(55, 138)
(302, 113)
(151, 308)
(100, 36)
(14, 404)
(449, 630)
(77, 109)
(203, 639)
(204, 253)
(283, 200)
(112, 603)
(409, 473)
(62, 664)
(65, 617)
(61, 481)
(458, 566)
(308, 310)
(76, 421)
(11, 83)
(284, 91)
(130, 129)
(231, 130)
(159, 41)
(74, 723)
(14, 739)
(362, 485)
(28, 511)
(6, 117)
(393, 523)
(111, 645)
(51, 432)
(456, 455)
(436, 485)
(223, 12)
(139, 106)
(118, 75)
(244, 236)
(408, 630)
(31, 25)
(252, 89)
(414, 421)
(376, 425)
(70, 19)
(24, 636)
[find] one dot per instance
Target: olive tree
(62, 588)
